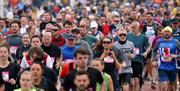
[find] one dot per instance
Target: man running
(167, 49)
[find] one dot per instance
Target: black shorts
(125, 79)
(137, 69)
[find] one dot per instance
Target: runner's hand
(12, 81)
(154, 63)
(173, 56)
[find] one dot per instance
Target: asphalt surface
(147, 87)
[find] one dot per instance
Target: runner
(166, 48)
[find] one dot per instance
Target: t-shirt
(20, 51)
(94, 76)
(126, 49)
(10, 72)
(67, 68)
(68, 52)
(60, 41)
(140, 43)
(54, 52)
(46, 85)
(90, 39)
(165, 49)
(26, 62)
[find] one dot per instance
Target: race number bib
(5, 76)
(52, 59)
(13, 49)
(136, 50)
(165, 57)
(108, 59)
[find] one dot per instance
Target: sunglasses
(70, 39)
(106, 42)
(55, 29)
(177, 14)
(133, 27)
(120, 35)
(116, 21)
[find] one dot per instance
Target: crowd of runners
(89, 45)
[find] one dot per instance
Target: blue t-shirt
(165, 49)
(68, 52)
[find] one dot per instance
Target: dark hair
(67, 23)
(37, 50)
(15, 21)
(159, 27)
(78, 73)
(149, 13)
(29, 29)
(98, 46)
(82, 51)
(36, 36)
(39, 61)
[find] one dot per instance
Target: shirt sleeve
(99, 77)
(146, 44)
(178, 49)
(155, 50)
(24, 63)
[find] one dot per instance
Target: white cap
(93, 24)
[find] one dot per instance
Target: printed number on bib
(165, 57)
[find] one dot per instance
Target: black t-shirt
(20, 50)
(53, 51)
(1, 79)
(10, 72)
(43, 25)
(46, 85)
(48, 73)
(94, 76)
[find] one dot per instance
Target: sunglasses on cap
(120, 35)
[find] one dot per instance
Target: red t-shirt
(66, 69)
(60, 41)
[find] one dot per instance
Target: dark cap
(70, 37)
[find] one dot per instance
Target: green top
(19, 89)
(105, 77)
(89, 39)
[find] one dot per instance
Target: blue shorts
(165, 75)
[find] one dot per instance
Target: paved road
(147, 87)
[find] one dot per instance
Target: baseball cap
(168, 28)
(70, 36)
(93, 24)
